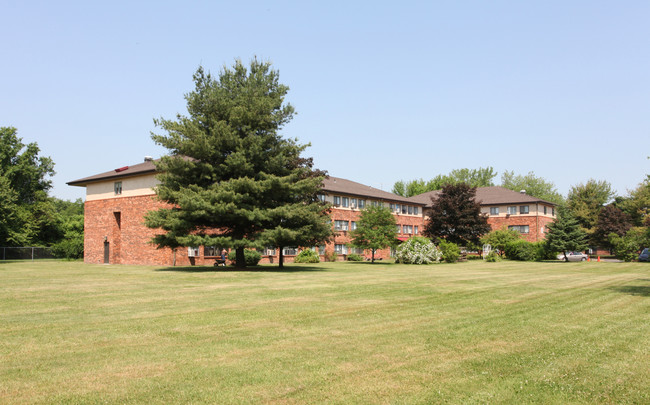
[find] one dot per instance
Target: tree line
(28, 215)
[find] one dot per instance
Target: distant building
(505, 208)
(117, 201)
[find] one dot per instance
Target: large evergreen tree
(456, 216)
(565, 234)
(376, 229)
(231, 179)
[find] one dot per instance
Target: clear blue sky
(384, 90)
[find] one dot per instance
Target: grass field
(472, 332)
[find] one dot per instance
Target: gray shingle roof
(126, 171)
(343, 186)
(496, 195)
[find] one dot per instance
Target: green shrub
(525, 251)
(251, 257)
(353, 257)
(474, 257)
(307, 256)
(69, 249)
(417, 250)
(492, 257)
(450, 251)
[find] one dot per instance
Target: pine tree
(231, 180)
(456, 217)
(565, 233)
(376, 229)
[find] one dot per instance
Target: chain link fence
(25, 253)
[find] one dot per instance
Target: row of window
(359, 203)
(342, 225)
(523, 209)
(520, 228)
(408, 229)
(405, 209)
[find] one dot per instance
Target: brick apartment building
(117, 201)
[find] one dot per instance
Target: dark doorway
(107, 252)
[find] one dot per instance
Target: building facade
(118, 201)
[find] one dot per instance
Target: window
(358, 251)
(346, 202)
(211, 251)
(321, 249)
(399, 228)
(391, 207)
(545, 210)
(353, 225)
(415, 229)
(353, 203)
(523, 209)
(410, 210)
(520, 228)
(512, 210)
(494, 210)
(117, 187)
(408, 229)
(321, 197)
(337, 201)
(404, 209)
(416, 211)
(341, 249)
(362, 204)
(270, 251)
(340, 225)
(290, 251)
(193, 251)
(553, 211)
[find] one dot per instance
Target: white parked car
(573, 257)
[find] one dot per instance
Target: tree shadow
(250, 269)
(639, 290)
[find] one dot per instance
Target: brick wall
(535, 225)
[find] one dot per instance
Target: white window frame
(494, 210)
(512, 210)
(524, 209)
(193, 251)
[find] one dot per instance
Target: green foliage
(637, 205)
(524, 250)
(307, 256)
(355, 258)
(481, 177)
(499, 238)
(627, 247)
(456, 217)
(417, 250)
(586, 200)
(449, 250)
(252, 257)
(72, 244)
(375, 230)
(232, 179)
(534, 186)
(565, 234)
(492, 257)
(26, 214)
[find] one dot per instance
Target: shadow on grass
(232, 269)
(640, 290)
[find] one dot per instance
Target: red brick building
(527, 215)
(117, 202)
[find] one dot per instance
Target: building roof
(126, 171)
(343, 186)
(330, 184)
(495, 195)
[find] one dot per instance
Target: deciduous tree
(376, 229)
(610, 220)
(481, 177)
(230, 178)
(456, 217)
(586, 200)
(534, 186)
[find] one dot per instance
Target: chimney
(148, 159)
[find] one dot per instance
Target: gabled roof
(347, 187)
(126, 171)
(495, 195)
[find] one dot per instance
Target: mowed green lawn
(472, 332)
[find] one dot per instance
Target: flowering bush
(417, 250)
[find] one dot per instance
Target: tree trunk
(373, 256)
(240, 258)
(280, 258)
